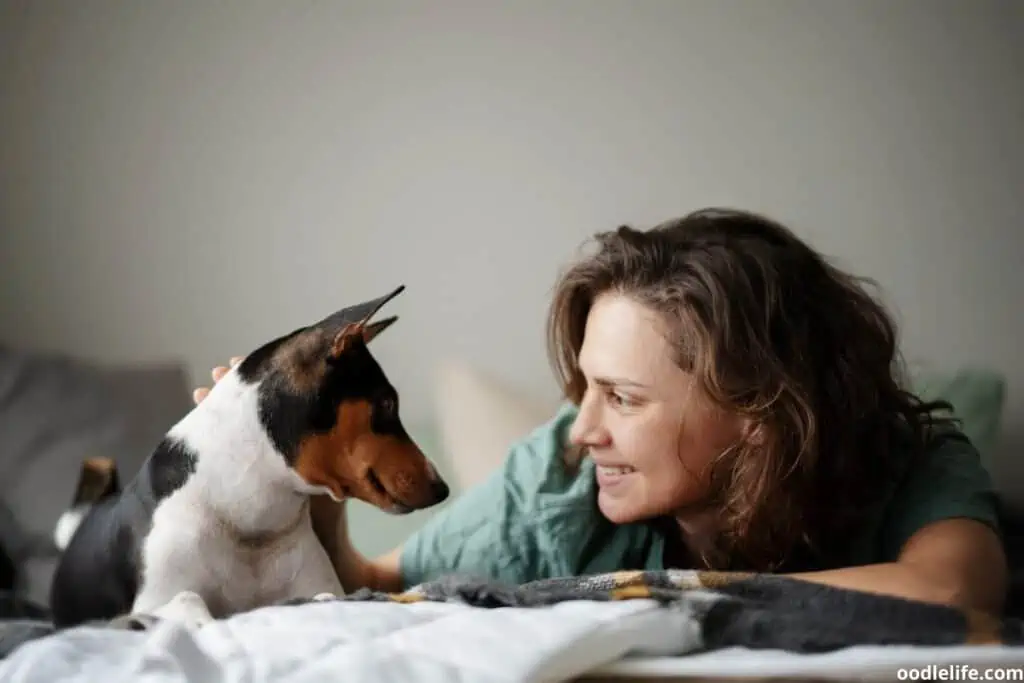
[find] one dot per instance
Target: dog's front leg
(172, 584)
(317, 579)
(187, 608)
(184, 607)
(176, 581)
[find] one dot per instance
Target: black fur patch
(169, 467)
(288, 416)
(7, 571)
(257, 365)
(97, 576)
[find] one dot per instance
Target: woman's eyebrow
(619, 382)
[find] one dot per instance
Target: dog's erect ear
(373, 329)
(360, 313)
(351, 325)
(346, 340)
(356, 333)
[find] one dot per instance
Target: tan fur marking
(330, 459)
(95, 480)
(99, 464)
(343, 458)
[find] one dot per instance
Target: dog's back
(98, 547)
(100, 536)
(98, 556)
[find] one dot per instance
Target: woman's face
(643, 421)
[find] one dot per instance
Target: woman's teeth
(613, 471)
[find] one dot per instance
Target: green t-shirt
(534, 519)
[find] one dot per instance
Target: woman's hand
(199, 393)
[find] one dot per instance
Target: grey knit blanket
(754, 611)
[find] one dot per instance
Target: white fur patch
(241, 484)
(67, 525)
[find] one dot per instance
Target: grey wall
(190, 178)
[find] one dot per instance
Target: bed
(55, 411)
(632, 625)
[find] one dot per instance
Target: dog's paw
(186, 608)
(324, 597)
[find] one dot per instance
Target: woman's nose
(586, 429)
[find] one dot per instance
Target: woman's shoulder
(943, 452)
(945, 478)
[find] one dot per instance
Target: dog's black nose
(440, 490)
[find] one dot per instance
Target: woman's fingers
(217, 373)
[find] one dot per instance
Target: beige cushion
(479, 417)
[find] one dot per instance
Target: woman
(734, 402)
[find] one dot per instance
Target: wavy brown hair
(774, 332)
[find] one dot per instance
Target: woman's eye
(621, 400)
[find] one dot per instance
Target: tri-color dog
(217, 520)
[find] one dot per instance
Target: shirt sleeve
(498, 528)
(948, 482)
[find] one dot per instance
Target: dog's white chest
(240, 577)
(188, 550)
(240, 486)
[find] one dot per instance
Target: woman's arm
(958, 562)
(939, 539)
(330, 523)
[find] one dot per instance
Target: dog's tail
(97, 480)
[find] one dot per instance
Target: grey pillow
(55, 411)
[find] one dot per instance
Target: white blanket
(430, 642)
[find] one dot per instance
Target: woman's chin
(619, 510)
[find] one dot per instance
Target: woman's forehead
(626, 341)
